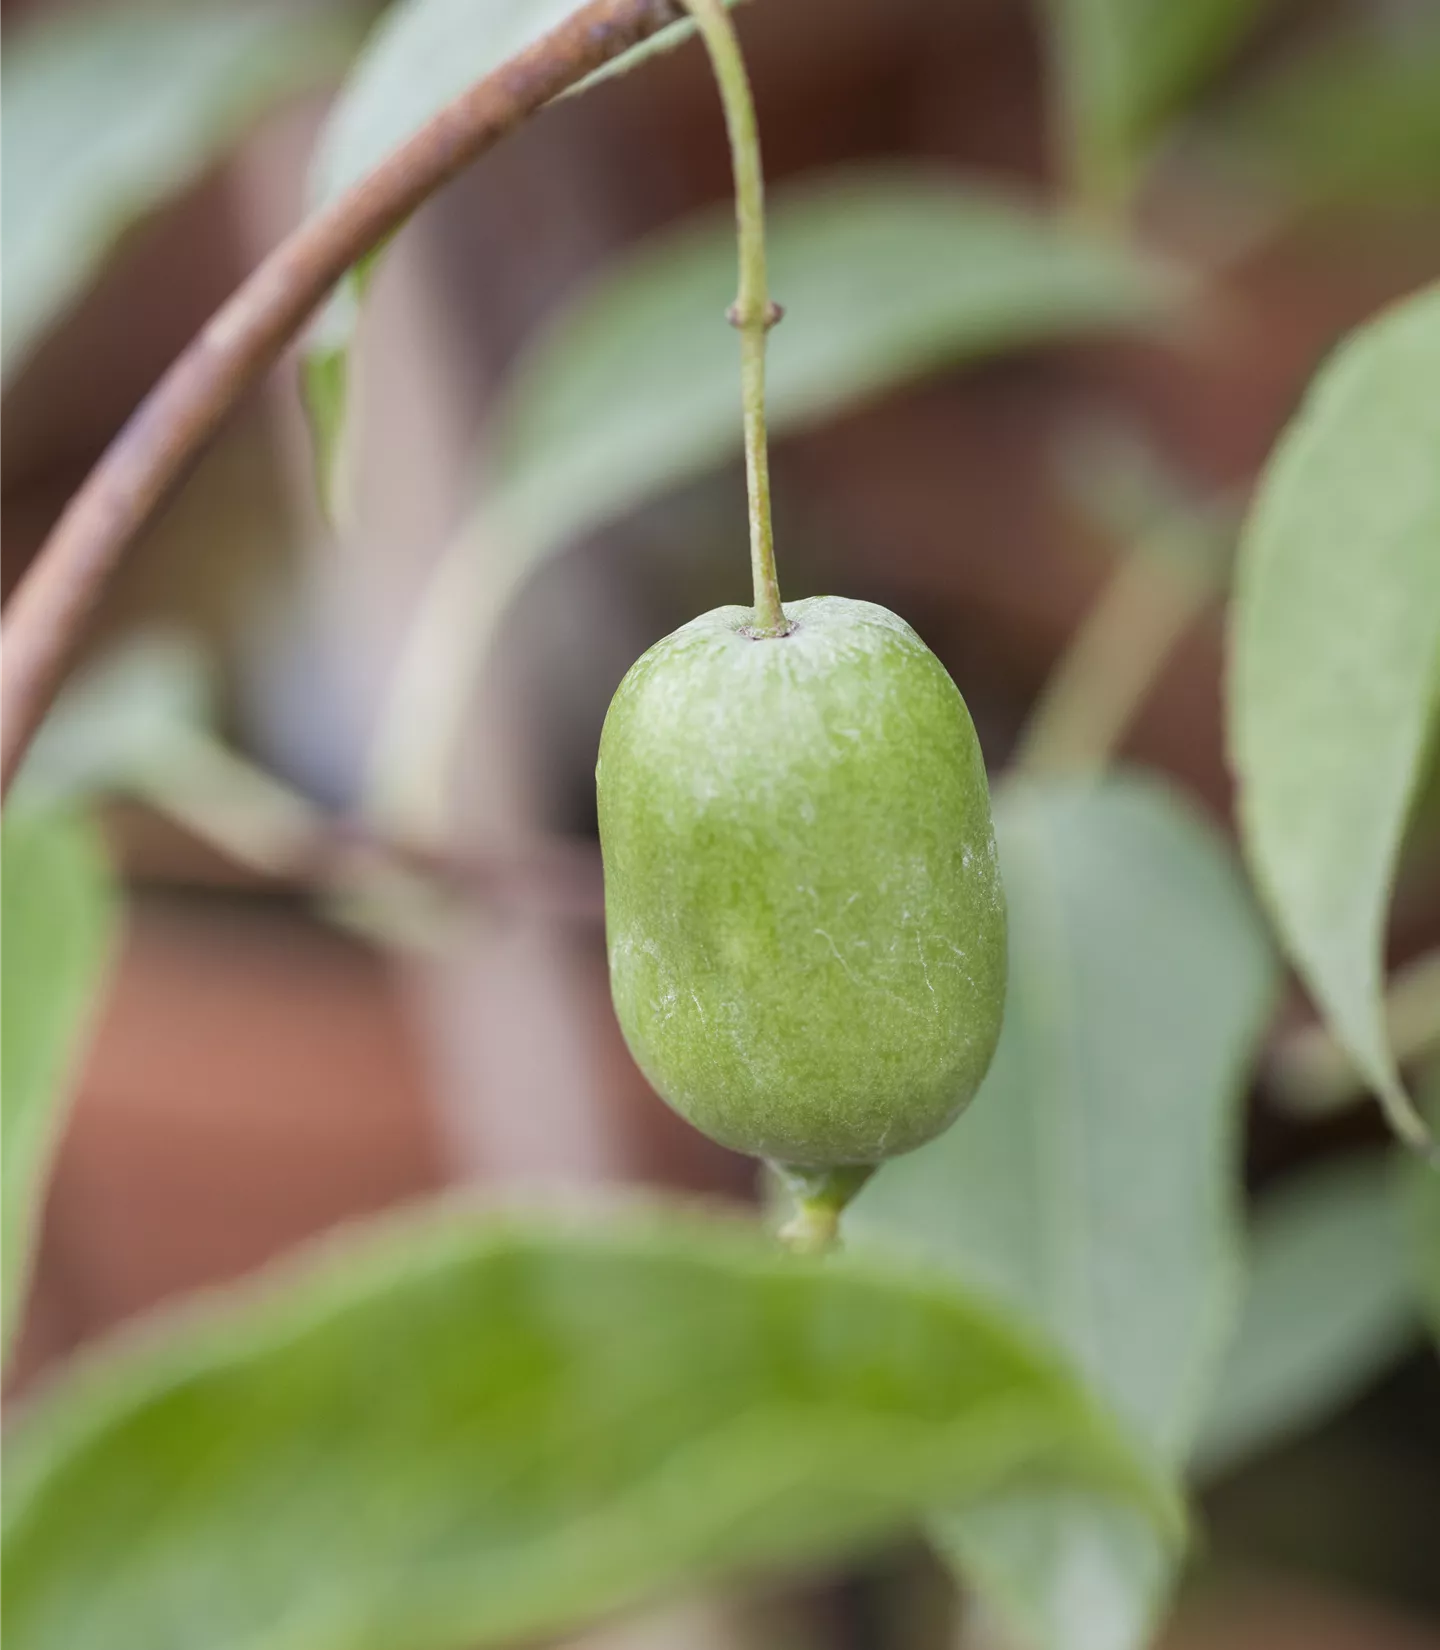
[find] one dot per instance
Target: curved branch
(247, 334)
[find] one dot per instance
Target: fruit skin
(804, 914)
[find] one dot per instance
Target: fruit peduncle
(752, 314)
(820, 1197)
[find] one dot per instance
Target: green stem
(1115, 655)
(259, 822)
(229, 802)
(1096, 180)
(752, 313)
(820, 1197)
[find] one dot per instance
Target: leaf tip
(1404, 1118)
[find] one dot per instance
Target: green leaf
(110, 111)
(56, 925)
(1355, 118)
(1421, 1194)
(421, 55)
(132, 716)
(1334, 671)
(325, 384)
(1330, 1304)
(1091, 1185)
(886, 274)
(1426, 1200)
(475, 1431)
(1123, 66)
(1060, 1570)
(140, 723)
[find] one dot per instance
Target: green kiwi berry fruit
(805, 921)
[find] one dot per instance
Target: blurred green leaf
(56, 924)
(421, 55)
(141, 723)
(1091, 1185)
(1421, 1190)
(1329, 1305)
(475, 1431)
(109, 111)
(1427, 1235)
(886, 274)
(1355, 118)
(133, 716)
(1123, 66)
(1060, 1570)
(1334, 673)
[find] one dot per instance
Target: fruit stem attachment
(820, 1197)
(752, 314)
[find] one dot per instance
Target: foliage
(1090, 1186)
(110, 112)
(1123, 66)
(133, 716)
(1354, 118)
(485, 1430)
(1329, 1304)
(1421, 1192)
(887, 274)
(1335, 666)
(58, 919)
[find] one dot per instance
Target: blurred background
(286, 1044)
